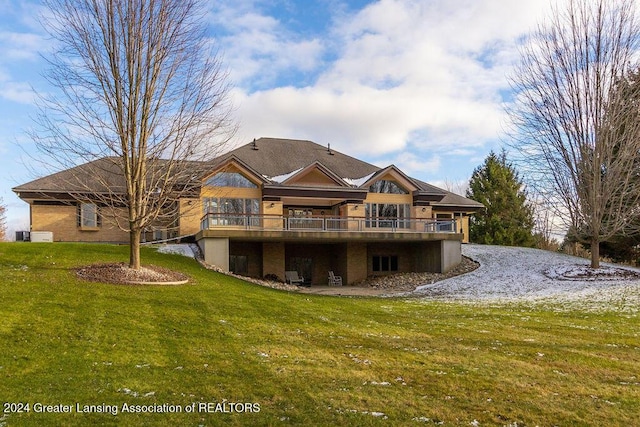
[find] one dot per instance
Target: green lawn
(298, 359)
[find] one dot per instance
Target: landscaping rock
(401, 282)
(120, 273)
(404, 282)
(268, 283)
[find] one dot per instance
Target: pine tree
(507, 218)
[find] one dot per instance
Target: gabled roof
(264, 158)
(273, 157)
(388, 169)
(234, 160)
(316, 166)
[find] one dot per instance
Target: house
(277, 205)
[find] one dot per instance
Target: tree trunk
(595, 252)
(134, 249)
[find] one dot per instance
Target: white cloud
(325, 117)
(413, 164)
(411, 74)
(21, 42)
(17, 92)
(259, 47)
(20, 46)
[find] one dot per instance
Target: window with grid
(88, 215)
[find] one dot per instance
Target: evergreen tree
(507, 218)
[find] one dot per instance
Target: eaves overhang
(55, 194)
(457, 208)
(426, 198)
(314, 192)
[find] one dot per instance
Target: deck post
(450, 254)
(216, 251)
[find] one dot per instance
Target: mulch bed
(121, 274)
(585, 273)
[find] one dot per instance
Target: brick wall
(356, 262)
(273, 259)
(190, 215)
(63, 222)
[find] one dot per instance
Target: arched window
(387, 187)
(230, 179)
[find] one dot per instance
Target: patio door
(304, 267)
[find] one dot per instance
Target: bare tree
(141, 96)
(544, 229)
(459, 187)
(3, 221)
(578, 136)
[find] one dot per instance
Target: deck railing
(326, 223)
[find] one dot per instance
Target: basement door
(304, 267)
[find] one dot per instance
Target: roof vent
(254, 146)
(329, 150)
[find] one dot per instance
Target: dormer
(314, 175)
(233, 174)
(233, 179)
(390, 180)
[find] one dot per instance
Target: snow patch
(177, 249)
(525, 274)
(357, 182)
(282, 178)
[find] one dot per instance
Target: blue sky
(421, 84)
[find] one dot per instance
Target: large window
(230, 179)
(385, 263)
(388, 187)
(387, 215)
(88, 216)
(228, 211)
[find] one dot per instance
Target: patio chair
(334, 280)
(292, 278)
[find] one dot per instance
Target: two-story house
(277, 205)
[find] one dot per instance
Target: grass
(300, 359)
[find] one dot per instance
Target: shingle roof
(455, 200)
(450, 199)
(269, 157)
(276, 157)
(102, 174)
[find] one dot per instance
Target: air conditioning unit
(42, 236)
(22, 236)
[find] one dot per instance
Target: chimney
(254, 145)
(329, 150)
